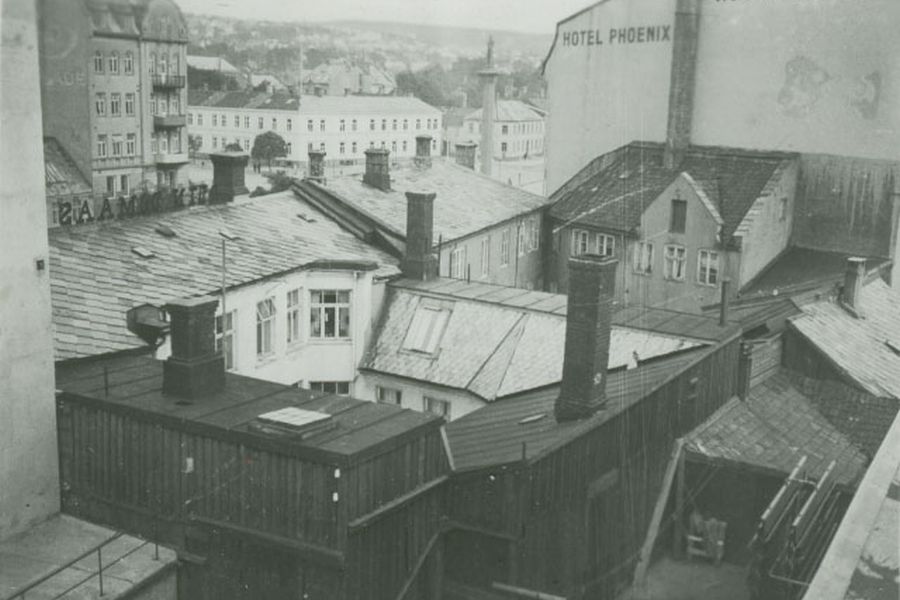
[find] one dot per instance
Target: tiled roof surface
(772, 429)
(210, 63)
(375, 105)
(515, 349)
(616, 195)
(466, 201)
(96, 277)
(258, 78)
(867, 350)
(243, 99)
(62, 176)
(508, 110)
(494, 434)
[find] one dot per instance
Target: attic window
(165, 231)
(425, 330)
(143, 252)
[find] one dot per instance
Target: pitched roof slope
(96, 277)
(62, 176)
(466, 202)
(866, 349)
(282, 101)
(508, 110)
(614, 190)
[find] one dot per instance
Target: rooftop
(362, 106)
(521, 337)
(62, 176)
(135, 386)
(508, 110)
(614, 190)
(467, 202)
(210, 63)
(97, 274)
(866, 350)
(244, 99)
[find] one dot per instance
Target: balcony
(170, 158)
(163, 121)
(168, 81)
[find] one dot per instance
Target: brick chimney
(488, 78)
(316, 166)
(420, 262)
(194, 368)
(228, 176)
(854, 277)
(465, 154)
(588, 321)
(378, 169)
(686, 36)
(423, 151)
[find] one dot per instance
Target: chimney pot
(854, 277)
(228, 176)
(378, 169)
(588, 323)
(420, 262)
(465, 154)
(194, 368)
(317, 166)
(423, 151)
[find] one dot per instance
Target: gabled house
(679, 232)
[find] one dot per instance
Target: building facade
(114, 90)
(518, 131)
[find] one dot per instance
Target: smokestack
(488, 107)
(465, 154)
(317, 166)
(686, 36)
(423, 151)
(378, 169)
(588, 321)
(420, 262)
(228, 176)
(194, 369)
(854, 277)
(723, 306)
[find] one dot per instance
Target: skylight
(294, 417)
(164, 230)
(143, 252)
(426, 329)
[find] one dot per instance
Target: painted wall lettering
(621, 35)
(77, 210)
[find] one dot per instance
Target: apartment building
(518, 131)
(113, 90)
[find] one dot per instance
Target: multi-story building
(114, 90)
(340, 78)
(518, 131)
(343, 127)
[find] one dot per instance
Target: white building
(342, 126)
(518, 131)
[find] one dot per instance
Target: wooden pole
(678, 529)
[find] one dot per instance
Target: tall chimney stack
(228, 176)
(723, 306)
(465, 154)
(423, 151)
(378, 169)
(317, 166)
(686, 37)
(420, 262)
(488, 107)
(854, 277)
(194, 368)
(588, 321)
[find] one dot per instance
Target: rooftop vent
(228, 235)
(164, 230)
(295, 420)
(143, 252)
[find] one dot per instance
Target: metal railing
(168, 81)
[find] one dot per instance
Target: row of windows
(237, 121)
(528, 239)
(165, 104)
(164, 65)
(116, 145)
(164, 143)
(586, 242)
(355, 148)
(516, 128)
(218, 120)
(110, 63)
(115, 106)
(674, 263)
(329, 318)
(436, 406)
(520, 146)
(395, 124)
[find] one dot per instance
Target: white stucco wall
(413, 393)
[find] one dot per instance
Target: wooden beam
(525, 593)
(369, 518)
(418, 566)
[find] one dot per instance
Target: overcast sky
(536, 16)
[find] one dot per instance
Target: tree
(268, 146)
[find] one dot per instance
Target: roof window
(426, 329)
(164, 230)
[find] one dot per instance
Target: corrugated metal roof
(860, 347)
(96, 278)
(772, 429)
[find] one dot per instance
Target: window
(274, 123)
(199, 118)
(418, 124)
(223, 121)
(215, 120)
(606, 244)
(522, 238)
(154, 143)
(784, 209)
(290, 124)
(405, 124)
(485, 256)
(128, 63)
(98, 62)
(353, 148)
(113, 63)
(293, 316)
(163, 107)
(237, 120)
(246, 122)
(394, 146)
(117, 145)
(322, 146)
(342, 125)
(329, 314)
(404, 145)
(388, 395)
(123, 183)
(225, 338)
(708, 267)
(287, 148)
(679, 216)
(110, 184)
(503, 147)
(321, 124)
(100, 104)
(394, 125)
(164, 143)
(342, 148)
(341, 388)
(152, 63)
(504, 248)
(426, 328)
(643, 257)
(353, 125)
(504, 129)
(437, 407)
(675, 258)
(129, 105)
(535, 238)
(131, 144)
(176, 64)
(115, 104)
(265, 326)
(259, 123)
(458, 262)
(215, 142)
(371, 124)
(163, 64)
(101, 146)
(247, 145)
(384, 124)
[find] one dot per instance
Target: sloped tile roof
(96, 277)
(281, 101)
(495, 435)
(627, 180)
(62, 176)
(772, 430)
(867, 350)
(508, 110)
(516, 348)
(210, 63)
(466, 201)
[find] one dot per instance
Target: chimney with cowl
(317, 166)
(228, 176)
(194, 369)
(378, 169)
(588, 322)
(423, 151)
(420, 262)
(854, 277)
(465, 154)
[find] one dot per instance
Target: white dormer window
(426, 329)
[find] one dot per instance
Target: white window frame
(674, 262)
(102, 145)
(225, 339)
(321, 310)
(293, 315)
(458, 262)
(707, 272)
(485, 256)
(131, 144)
(606, 244)
(265, 327)
(129, 104)
(100, 104)
(522, 238)
(504, 247)
(436, 406)
(643, 258)
(388, 395)
(115, 104)
(331, 387)
(581, 242)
